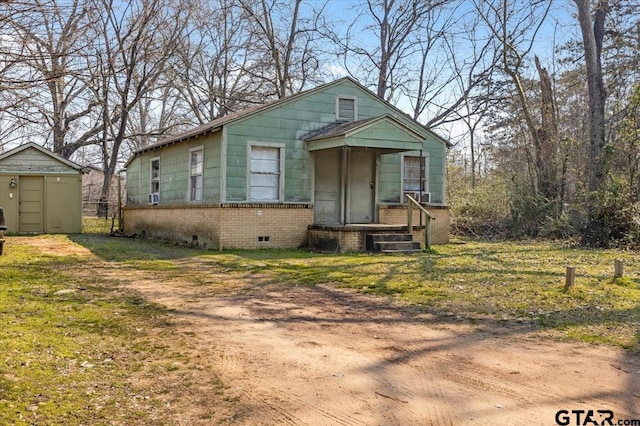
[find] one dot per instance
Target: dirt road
(327, 356)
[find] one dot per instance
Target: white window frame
(425, 178)
(280, 147)
(151, 179)
(355, 107)
(191, 196)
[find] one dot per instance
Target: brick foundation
(337, 240)
(252, 226)
(219, 227)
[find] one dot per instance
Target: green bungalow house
(327, 168)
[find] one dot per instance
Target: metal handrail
(428, 218)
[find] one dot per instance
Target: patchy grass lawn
(76, 350)
(519, 282)
(98, 225)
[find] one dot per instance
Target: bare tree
(453, 87)
(47, 48)
(286, 39)
(134, 43)
(516, 26)
(217, 63)
(396, 26)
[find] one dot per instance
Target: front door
(361, 178)
(31, 204)
(328, 165)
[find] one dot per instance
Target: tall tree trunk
(546, 149)
(592, 35)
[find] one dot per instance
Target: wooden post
(427, 232)
(409, 216)
(570, 278)
(619, 268)
(120, 224)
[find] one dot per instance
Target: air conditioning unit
(154, 198)
(414, 195)
(425, 198)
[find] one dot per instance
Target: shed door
(31, 204)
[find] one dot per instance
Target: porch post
(421, 181)
(344, 184)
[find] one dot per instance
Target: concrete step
(397, 246)
(396, 236)
(400, 251)
(372, 239)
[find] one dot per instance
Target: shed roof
(43, 150)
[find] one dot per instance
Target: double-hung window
(154, 178)
(155, 175)
(195, 174)
(414, 176)
(265, 173)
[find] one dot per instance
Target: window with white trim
(265, 173)
(346, 108)
(414, 175)
(195, 174)
(155, 175)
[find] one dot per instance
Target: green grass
(517, 282)
(97, 225)
(69, 345)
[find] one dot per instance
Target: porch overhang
(383, 133)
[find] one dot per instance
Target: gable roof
(345, 128)
(217, 124)
(349, 134)
(43, 150)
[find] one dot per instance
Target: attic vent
(346, 109)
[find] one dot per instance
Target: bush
(481, 211)
(615, 217)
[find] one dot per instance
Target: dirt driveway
(327, 356)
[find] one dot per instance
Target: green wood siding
(134, 181)
(286, 124)
(289, 123)
(32, 161)
(175, 172)
(390, 177)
